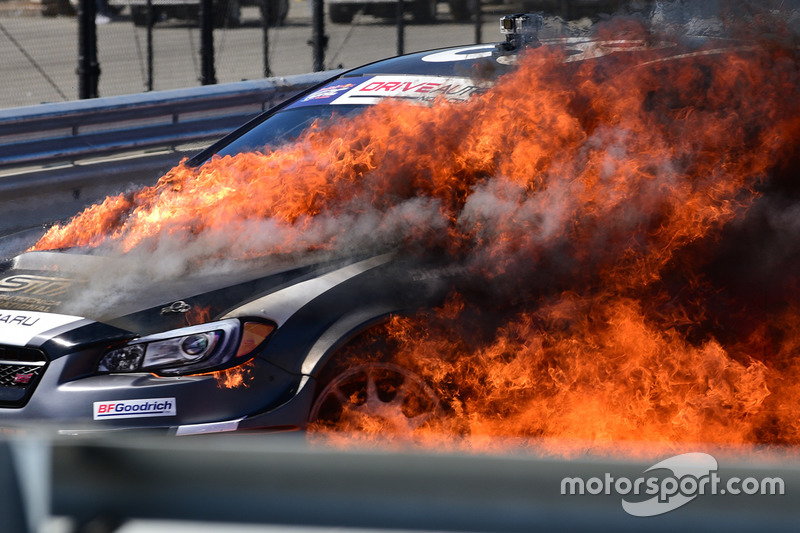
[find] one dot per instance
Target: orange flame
(233, 378)
(600, 200)
(197, 315)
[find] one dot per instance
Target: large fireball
(631, 227)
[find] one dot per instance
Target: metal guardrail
(266, 479)
(57, 158)
(66, 132)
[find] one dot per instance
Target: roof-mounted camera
(521, 30)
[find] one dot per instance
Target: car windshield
(286, 126)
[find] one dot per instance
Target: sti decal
(35, 285)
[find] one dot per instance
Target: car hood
(114, 292)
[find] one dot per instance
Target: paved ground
(39, 54)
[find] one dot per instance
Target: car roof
(465, 61)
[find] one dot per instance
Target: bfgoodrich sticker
(134, 408)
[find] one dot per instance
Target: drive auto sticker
(420, 88)
(19, 327)
(367, 90)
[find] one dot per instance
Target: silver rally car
(145, 362)
(172, 355)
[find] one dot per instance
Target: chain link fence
(144, 45)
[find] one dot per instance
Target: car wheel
(278, 11)
(424, 11)
(375, 398)
(341, 13)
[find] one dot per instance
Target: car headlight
(191, 350)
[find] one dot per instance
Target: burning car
(213, 352)
(277, 278)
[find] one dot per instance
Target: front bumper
(182, 405)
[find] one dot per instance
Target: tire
(374, 398)
(278, 11)
(424, 11)
(342, 13)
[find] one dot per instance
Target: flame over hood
(609, 214)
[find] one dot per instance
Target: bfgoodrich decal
(134, 408)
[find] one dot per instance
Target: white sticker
(19, 327)
(134, 408)
(461, 54)
(417, 88)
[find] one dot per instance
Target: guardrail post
(265, 16)
(401, 28)
(88, 68)
(207, 76)
(151, 19)
(478, 22)
(319, 40)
